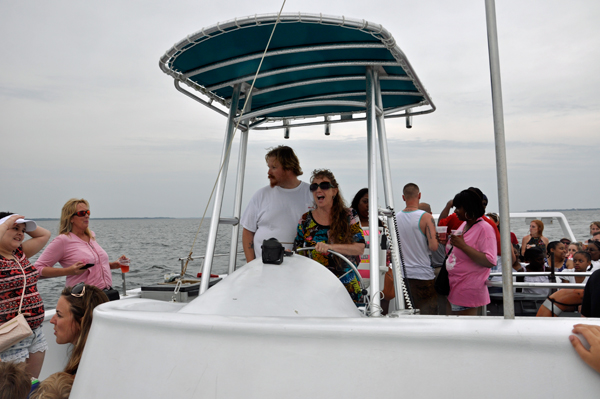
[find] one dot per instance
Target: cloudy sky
(86, 112)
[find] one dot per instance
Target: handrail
(538, 285)
(358, 276)
(557, 274)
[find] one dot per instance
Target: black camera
(272, 252)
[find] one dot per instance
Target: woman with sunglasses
(73, 319)
(18, 283)
(331, 226)
(76, 249)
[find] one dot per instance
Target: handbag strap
(24, 283)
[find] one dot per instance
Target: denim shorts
(458, 308)
(20, 351)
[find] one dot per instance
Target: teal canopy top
(314, 66)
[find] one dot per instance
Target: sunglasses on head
(79, 290)
(324, 185)
(82, 213)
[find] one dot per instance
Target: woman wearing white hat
(15, 273)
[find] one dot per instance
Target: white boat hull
(150, 349)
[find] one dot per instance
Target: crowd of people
(300, 215)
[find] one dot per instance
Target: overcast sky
(86, 112)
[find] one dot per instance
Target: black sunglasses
(79, 290)
(324, 185)
(81, 213)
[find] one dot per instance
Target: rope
(231, 141)
(405, 287)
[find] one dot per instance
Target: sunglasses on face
(325, 185)
(79, 290)
(82, 213)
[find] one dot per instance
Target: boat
(291, 330)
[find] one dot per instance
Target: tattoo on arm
(251, 245)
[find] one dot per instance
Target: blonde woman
(76, 250)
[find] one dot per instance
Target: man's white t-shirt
(275, 212)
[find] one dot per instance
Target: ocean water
(155, 245)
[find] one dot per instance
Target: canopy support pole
(388, 192)
(501, 169)
(239, 189)
(218, 201)
(372, 83)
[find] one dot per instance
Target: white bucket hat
(30, 225)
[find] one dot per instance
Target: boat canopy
(314, 66)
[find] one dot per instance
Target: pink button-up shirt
(68, 249)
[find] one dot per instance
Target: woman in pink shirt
(471, 255)
(75, 248)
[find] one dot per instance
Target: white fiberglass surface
(299, 287)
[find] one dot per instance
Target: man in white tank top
(416, 232)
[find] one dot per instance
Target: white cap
(30, 225)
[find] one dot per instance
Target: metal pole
(239, 191)
(388, 193)
(501, 170)
(218, 201)
(372, 170)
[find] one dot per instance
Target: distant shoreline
(561, 210)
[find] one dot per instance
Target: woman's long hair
(82, 309)
(67, 213)
(339, 231)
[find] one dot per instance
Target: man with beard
(274, 210)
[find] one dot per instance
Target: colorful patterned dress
(11, 288)
(310, 233)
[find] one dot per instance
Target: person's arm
(476, 256)
(354, 249)
(446, 211)
(39, 238)
(428, 228)
(248, 244)
(51, 256)
(73, 270)
(592, 335)
(524, 244)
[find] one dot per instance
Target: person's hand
(592, 335)
(75, 269)
(122, 257)
(10, 222)
(458, 241)
(322, 247)
(441, 241)
(450, 204)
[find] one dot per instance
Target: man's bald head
(424, 206)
